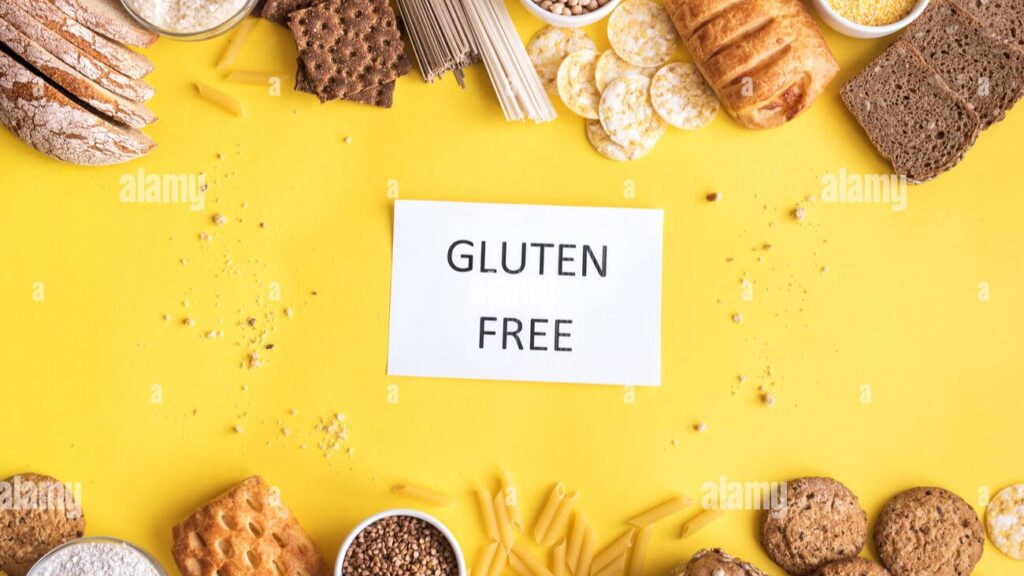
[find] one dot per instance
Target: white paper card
(584, 305)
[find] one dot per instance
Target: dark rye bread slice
(915, 121)
(115, 107)
(985, 71)
(1003, 18)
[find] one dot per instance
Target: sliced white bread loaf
(109, 18)
(50, 122)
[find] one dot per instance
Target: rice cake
(576, 83)
(642, 33)
(550, 46)
(682, 97)
(627, 114)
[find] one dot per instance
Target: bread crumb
(674, 442)
(288, 312)
(293, 412)
(213, 334)
(700, 426)
(347, 140)
(285, 431)
(204, 237)
(737, 318)
(189, 322)
(799, 213)
(768, 398)
(220, 219)
(714, 196)
(238, 429)
(167, 317)
(767, 247)
(254, 360)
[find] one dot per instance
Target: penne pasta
(518, 566)
(579, 530)
(662, 511)
(220, 99)
(483, 565)
(242, 33)
(639, 554)
(558, 564)
(535, 566)
(613, 551)
(423, 494)
(504, 526)
(699, 521)
(614, 568)
(487, 513)
(557, 528)
(586, 552)
(508, 486)
(500, 561)
(547, 514)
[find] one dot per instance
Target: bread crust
(766, 59)
(107, 17)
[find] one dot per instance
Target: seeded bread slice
(915, 121)
(987, 72)
(1003, 18)
(109, 18)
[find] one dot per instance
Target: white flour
(186, 16)
(97, 559)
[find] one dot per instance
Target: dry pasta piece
(662, 511)
(220, 99)
(499, 563)
(535, 566)
(558, 563)
(518, 566)
(423, 494)
(699, 521)
(249, 77)
(487, 513)
(615, 568)
(639, 553)
(237, 41)
(579, 530)
(508, 537)
(613, 551)
(540, 529)
(557, 528)
(483, 565)
(587, 552)
(511, 500)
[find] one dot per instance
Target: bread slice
(127, 62)
(51, 123)
(1003, 18)
(109, 18)
(915, 121)
(987, 72)
(88, 66)
(115, 107)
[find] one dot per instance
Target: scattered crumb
(714, 196)
(263, 224)
(332, 432)
(768, 398)
(285, 431)
(700, 426)
(766, 247)
(674, 442)
(220, 219)
(254, 360)
(238, 429)
(347, 140)
(167, 317)
(214, 334)
(737, 318)
(799, 213)
(189, 322)
(288, 312)
(203, 236)
(293, 412)
(741, 378)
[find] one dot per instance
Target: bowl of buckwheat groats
(400, 541)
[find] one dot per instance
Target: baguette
(766, 59)
(108, 17)
(67, 52)
(51, 123)
(121, 59)
(116, 107)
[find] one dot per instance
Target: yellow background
(897, 309)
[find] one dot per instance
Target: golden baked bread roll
(766, 59)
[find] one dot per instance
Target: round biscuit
(715, 562)
(682, 97)
(46, 517)
(642, 33)
(1005, 519)
(627, 115)
(608, 148)
(550, 46)
(576, 85)
(856, 566)
(610, 67)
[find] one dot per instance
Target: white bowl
(456, 549)
(855, 30)
(38, 566)
(585, 19)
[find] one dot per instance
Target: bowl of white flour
(97, 556)
(189, 19)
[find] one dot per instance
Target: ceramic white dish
(855, 30)
(584, 19)
(217, 30)
(459, 558)
(37, 567)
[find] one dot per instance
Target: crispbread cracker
(609, 149)
(642, 33)
(682, 97)
(247, 531)
(382, 96)
(576, 84)
(550, 46)
(627, 115)
(610, 67)
(1005, 519)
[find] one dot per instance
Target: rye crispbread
(277, 11)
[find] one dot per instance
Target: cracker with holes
(348, 46)
(642, 33)
(610, 67)
(576, 85)
(246, 531)
(550, 46)
(682, 97)
(627, 115)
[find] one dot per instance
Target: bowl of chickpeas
(570, 13)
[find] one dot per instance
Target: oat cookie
(929, 531)
(627, 115)
(37, 514)
(642, 33)
(610, 67)
(852, 567)
(820, 522)
(550, 46)
(716, 562)
(576, 84)
(1005, 518)
(682, 97)
(609, 149)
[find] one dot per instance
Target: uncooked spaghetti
(440, 36)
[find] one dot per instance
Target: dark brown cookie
(37, 514)
(819, 521)
(716, 562)
(929, 531)
(852, 567)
